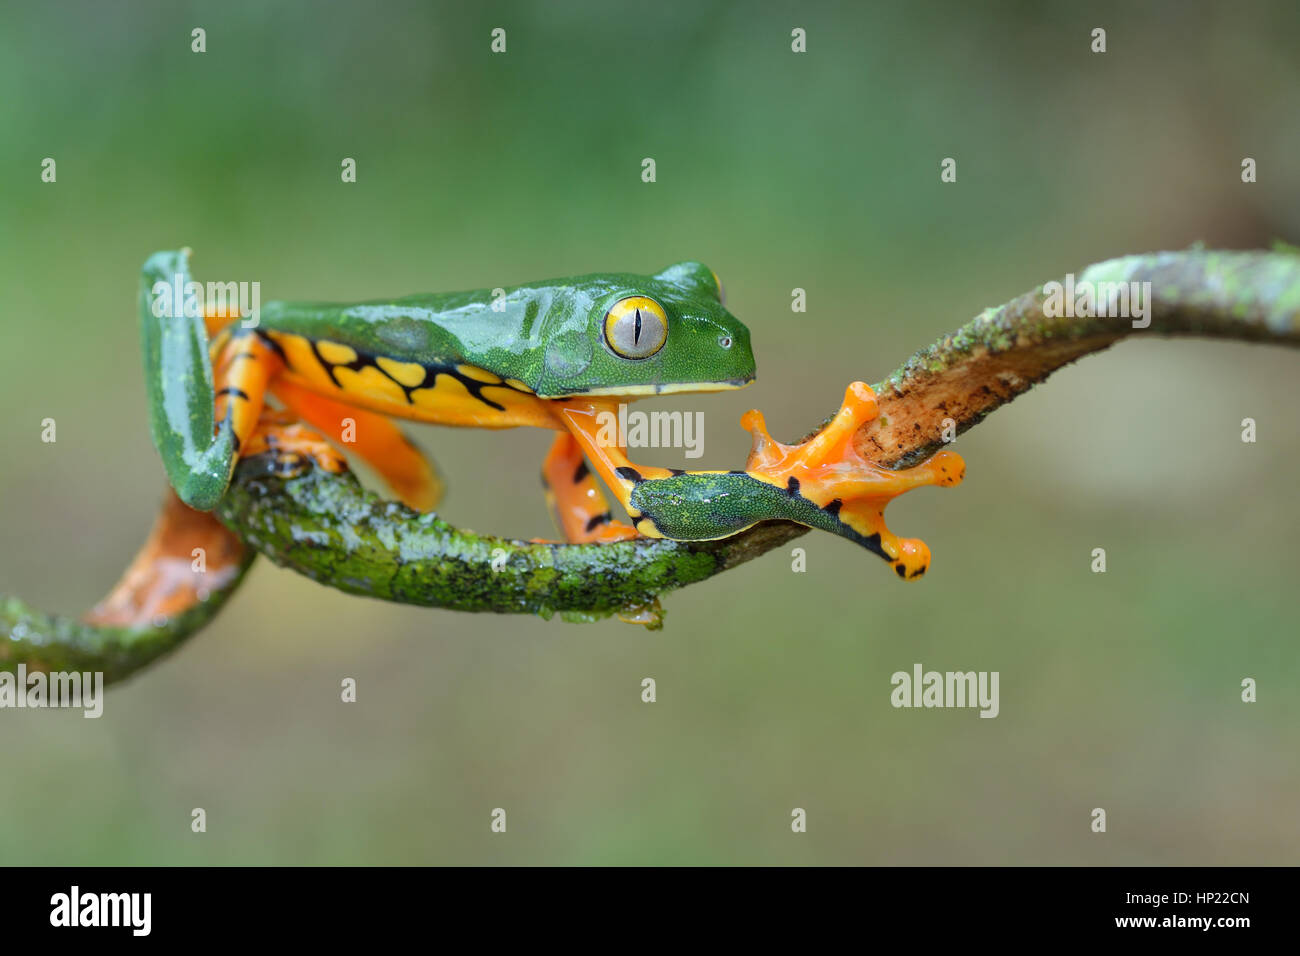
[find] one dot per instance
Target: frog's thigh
(375, 439)
(573, 494)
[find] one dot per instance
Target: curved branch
(334, 531)
(51, 642)
(331, 530)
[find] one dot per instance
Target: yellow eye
(722, 294)
(636, 327)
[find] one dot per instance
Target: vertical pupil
(636, 330)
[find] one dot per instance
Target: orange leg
(573, 494)
(823, 482)
(375, 438)
(188, 555)
(242, 366)
(589, 421)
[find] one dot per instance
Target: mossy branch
(52, 642)
(330, 529)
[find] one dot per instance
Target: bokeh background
(818, 171)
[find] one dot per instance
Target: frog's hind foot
(849, 491)
(372, 437)
(291, 447)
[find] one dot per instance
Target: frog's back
(449, 358)
(459, 328)
(600, 334)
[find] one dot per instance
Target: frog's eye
(636, 327)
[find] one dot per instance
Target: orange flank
(455, 394)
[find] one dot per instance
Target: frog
(306, 384)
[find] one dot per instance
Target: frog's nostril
(725, 341)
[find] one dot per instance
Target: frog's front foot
(850, 492)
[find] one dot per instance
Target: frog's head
(650, 335)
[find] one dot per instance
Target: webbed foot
(291, 445)
(849, 490)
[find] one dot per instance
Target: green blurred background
(818, 171)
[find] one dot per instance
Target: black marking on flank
(902, 571)
(580, 473)
(595, 521)
(472, 385)
(231, 390)
(329, 369)
(274, 346)
(431, 373)
(792, 487)
(833, 509)
(677, 471)
(629, 474)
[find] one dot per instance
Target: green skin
(548, 335)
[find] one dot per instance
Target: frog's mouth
(670, 388)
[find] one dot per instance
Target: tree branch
(333, 531)
(330, 529)
(1002, 353)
